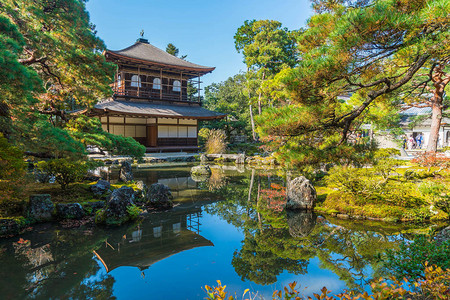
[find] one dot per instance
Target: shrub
(89, 131)
(351, 180)
(216, 142)
(64, 170)
(203, 135)
(432, 159)
(438, 193)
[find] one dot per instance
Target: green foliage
(377, 192)
(337, 54)
(12, 165)
(64, 170)
(203, 134)
(133, 212)
(100, 216)
(54, 141)
(438, 194)
(265, 44)
(12, 170)
(229, 97)
(267, 48)
(88, 131)
(350, 180)
(409, 260)
(313, 148)
(171, 49)
(215, 143)
(50, 72)
(17, 82)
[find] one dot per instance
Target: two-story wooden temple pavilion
(156, 98)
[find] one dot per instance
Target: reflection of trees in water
(217, 179)
(276, 241)
(57, 265)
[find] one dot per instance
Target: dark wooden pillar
(198, 87)
(161, 85)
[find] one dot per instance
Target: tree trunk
(253, 124)
(436, 117)
(252, 179)
(259, 104)
(259, 94)
(440, 80)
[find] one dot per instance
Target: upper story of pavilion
(145, 72)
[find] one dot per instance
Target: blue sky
(201, 29)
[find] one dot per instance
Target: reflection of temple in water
(157, 238)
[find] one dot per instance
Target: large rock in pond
(120, 199)
(301, 194)
(141, 189)
(40, 208)
(240, 159)
(301, 223)
(201, 170)
(203, 158)
(70, 211)
(159, 196)
(100, 187)
(126, 173)
(95, 205)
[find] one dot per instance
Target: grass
(74, 193)
(331, 201)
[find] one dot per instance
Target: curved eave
(201, 71)
(111, 111)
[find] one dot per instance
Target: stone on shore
(203, 159)
(40, 208)
(100, 187)
(96, 205)
(240, 159)
(301, 194)
(141, 189)
(116, 209)
(201, 170)
(70, 211)
(126, 173)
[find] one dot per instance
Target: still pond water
(229, 228)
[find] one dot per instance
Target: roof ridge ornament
(141, 39)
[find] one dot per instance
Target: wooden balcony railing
(146, 90)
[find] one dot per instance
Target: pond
(230, 227)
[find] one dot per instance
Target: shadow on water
(52, 262)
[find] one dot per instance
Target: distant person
(405, 141)
(419, 140)
(411, 142)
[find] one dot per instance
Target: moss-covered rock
(201, 170)
(116, 209)
(40, 208)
